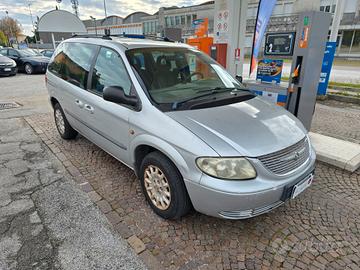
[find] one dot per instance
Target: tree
(10, 27)
(3, 39)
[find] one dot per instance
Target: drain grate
(8, 105)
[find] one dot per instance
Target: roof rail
(90, 36)
(141, 37)
(108, 36)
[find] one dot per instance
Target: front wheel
(164, 187)
(28, 69)
(65, 130)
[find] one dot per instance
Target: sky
(19, 9)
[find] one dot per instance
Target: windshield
(28, 52)
(174, 75)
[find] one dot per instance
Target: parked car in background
(47, 53)
(27, 60)
(7, 66)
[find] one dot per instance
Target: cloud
(20, 9)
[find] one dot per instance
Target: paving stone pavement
(337, 119)
(46, 222)
(318, 230)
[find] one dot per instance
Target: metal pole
(32, 23)
(105, 9)
(10, 28)
(340, 4)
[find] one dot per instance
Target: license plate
(299, 188)
(7, 69)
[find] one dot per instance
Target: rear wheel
(164, 187)
(65, 130)
(28, 68)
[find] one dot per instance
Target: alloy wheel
(157, 187)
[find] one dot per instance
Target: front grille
(288, 159)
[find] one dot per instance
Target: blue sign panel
(326, 67)
(269, 70)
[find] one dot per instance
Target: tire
(62, 125)
(173, 183)
(28, 69)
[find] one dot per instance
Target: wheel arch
(145, 144)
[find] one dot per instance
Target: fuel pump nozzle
(294, 80)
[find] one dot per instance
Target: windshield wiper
(207, 92)
(222, 89)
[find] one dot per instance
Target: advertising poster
(326, 67)
(269, 70)
(265, 10)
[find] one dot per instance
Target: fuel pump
(309, 42)
(312, 32)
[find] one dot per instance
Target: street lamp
(94, 19)
(10, 28)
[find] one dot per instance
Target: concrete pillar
(340, 5)
(234, 35)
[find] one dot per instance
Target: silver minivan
(195, 136)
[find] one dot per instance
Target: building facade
(283, 19)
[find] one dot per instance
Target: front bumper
(245, 199)
(5, 71)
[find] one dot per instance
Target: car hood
(252, 128)
(40, 59)
(4, 59)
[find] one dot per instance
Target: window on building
(346, 41)
(356, 44)
(177, 20)
(172, 20)
(188, 20)
(333, 8)
(182, 19)
(194, 17)
(110, 70)
(327, 9)
(167, 21)
(322, 8)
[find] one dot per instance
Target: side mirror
(117, 95)
(239, 78)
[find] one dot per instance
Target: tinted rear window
(72, 62)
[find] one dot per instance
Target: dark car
(47, 53)
(7, 66)
(27, 60)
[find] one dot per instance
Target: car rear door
(68, 77)
(107, 122)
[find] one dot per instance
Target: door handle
(79, 103)
(89, 108)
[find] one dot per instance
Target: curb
(342, 154)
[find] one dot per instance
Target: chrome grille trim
(287, 160)
(243, 214)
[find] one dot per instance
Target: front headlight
(227, 168)
(13, 63)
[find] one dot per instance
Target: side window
(3, 52)
(13, 53)
(77, 62)
(56, 64)
(110, 70)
